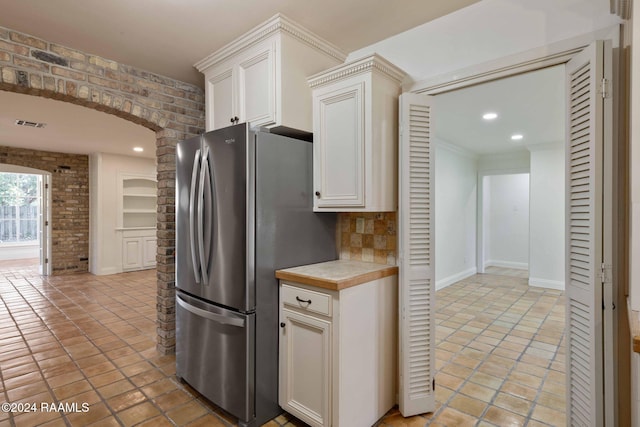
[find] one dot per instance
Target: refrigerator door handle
(218, 318)
(209, 217)
(204, 176)
(192, 216)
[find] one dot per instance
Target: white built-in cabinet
(355, 127)
(138, 252)
(137, 221)
(305, 355)
(337, 362)
(260, 77)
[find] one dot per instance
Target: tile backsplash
(368, 236)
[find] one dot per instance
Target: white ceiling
(530, 104)
(168, 36)
(69, 128)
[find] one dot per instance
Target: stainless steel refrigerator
(243, 210)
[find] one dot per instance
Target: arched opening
(173, 110)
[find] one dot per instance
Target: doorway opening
(505, 224)
(494, 191)
(24, 219)
(591, 219)
(500, 346)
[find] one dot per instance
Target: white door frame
(532, 60)
(44, 228)
(45, 224)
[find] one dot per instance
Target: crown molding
(370, 63)
(453, 148)
(278, 24)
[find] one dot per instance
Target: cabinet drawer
(311, 301)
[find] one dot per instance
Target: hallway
(88, 339)
(500, 354)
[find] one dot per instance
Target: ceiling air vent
(30, 124)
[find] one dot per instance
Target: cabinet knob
(232, 120)
(317, 194)
(282, 324)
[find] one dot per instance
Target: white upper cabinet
(355, 127)
(261, 77)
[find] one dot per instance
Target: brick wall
(173, 109)
(69, 204)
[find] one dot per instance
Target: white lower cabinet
(338, 351)
(304, 367)
(138, 252)
(131, 253)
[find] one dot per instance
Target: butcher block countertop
(337, 275)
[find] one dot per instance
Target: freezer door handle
(218, 318)
(204, 176)
(192, 216)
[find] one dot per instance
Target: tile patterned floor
(84, 339)
(513, 272)
(500, 355)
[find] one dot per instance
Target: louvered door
(416, 260)
(584, 249)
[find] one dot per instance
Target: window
(19, 208)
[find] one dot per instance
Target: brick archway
(171, 108)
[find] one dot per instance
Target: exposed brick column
(165, 260)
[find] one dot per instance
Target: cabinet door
(339, 151)
(220, 102)
(131, 253)
(256, 86)
(149, 249)
(305, 351)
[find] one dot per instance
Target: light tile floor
(500, 355)
(84, 339)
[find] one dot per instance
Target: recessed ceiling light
(490, 116)
(138, 149)
(516, 137)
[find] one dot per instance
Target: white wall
(106, 242)
(507, 213)
(488, 165)
(455, 213)
(547, 222)
(504, 163)
(486, 31)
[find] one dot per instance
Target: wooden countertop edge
(337, 285)
(634, 326)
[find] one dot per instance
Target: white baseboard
(507, 264)
(447, 281)
(545, 283)
(106, 271)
